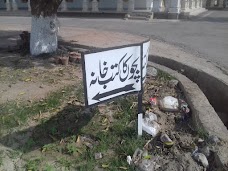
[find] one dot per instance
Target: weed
(119, 138)
(14, 114)
(72, 149)
(49, 168)
(1, 157)
(53, 130)
(164, 76)
(202, 134)
(65, 162)
(79, 92)
(89, 166)
(49, 147)
(13, 154)
(30, 143)
(33, 165)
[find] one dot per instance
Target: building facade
(171, 7)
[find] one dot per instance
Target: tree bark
(44, 27)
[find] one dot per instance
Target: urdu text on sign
(115, 72)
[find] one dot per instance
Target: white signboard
(146, 47)
(114, 72)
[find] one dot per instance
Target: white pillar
(184, 5)
(64, 5)
(158, 6)
(190, 4)
(149, 4)
(85, 6)
(196, 3)
(14, 5)
(174, 9)
(95, 6)
(131, 5)
(193, 4)
(119, 7)
(201, 3)
(29, 6)
(167, 2)
(8, 6)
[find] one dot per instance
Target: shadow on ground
(201, 17)
(14, 56)
(69, 121)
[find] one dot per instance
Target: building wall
(103, 4)
(75, 5)
(21, 5)
(2, 4)
(110, 4)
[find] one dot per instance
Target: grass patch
(49, 168)
(202, 134)
(58, 135)
(64, 162)
(33, 165)
(14, 114)
(13, 154)
(163, 76)
(1, 157)
(115, 141)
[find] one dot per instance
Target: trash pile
(174, 144)
(24, 42)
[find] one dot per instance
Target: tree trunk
(43, 35)
(44, 27)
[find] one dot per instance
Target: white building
(165, 8)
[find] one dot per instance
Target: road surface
(204, 36)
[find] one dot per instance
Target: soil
(27, 79)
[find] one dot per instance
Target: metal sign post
(144, 60)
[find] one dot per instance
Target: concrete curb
(204, 116)
(213, 82)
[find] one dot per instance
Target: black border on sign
(107, 49)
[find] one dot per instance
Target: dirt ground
(29, 79)
(26, 78)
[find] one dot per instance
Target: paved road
(204, 36)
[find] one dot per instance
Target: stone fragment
(169, 104)
(206, 151)
(173, 83)
(146, 165)
(98, 156)
(151, 127)
(201, 158)
(200, 140)
(151, 116)
(152, 71)
(213, 139)
(129, 160)
(166, 140)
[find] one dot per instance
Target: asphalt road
(204, 36)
